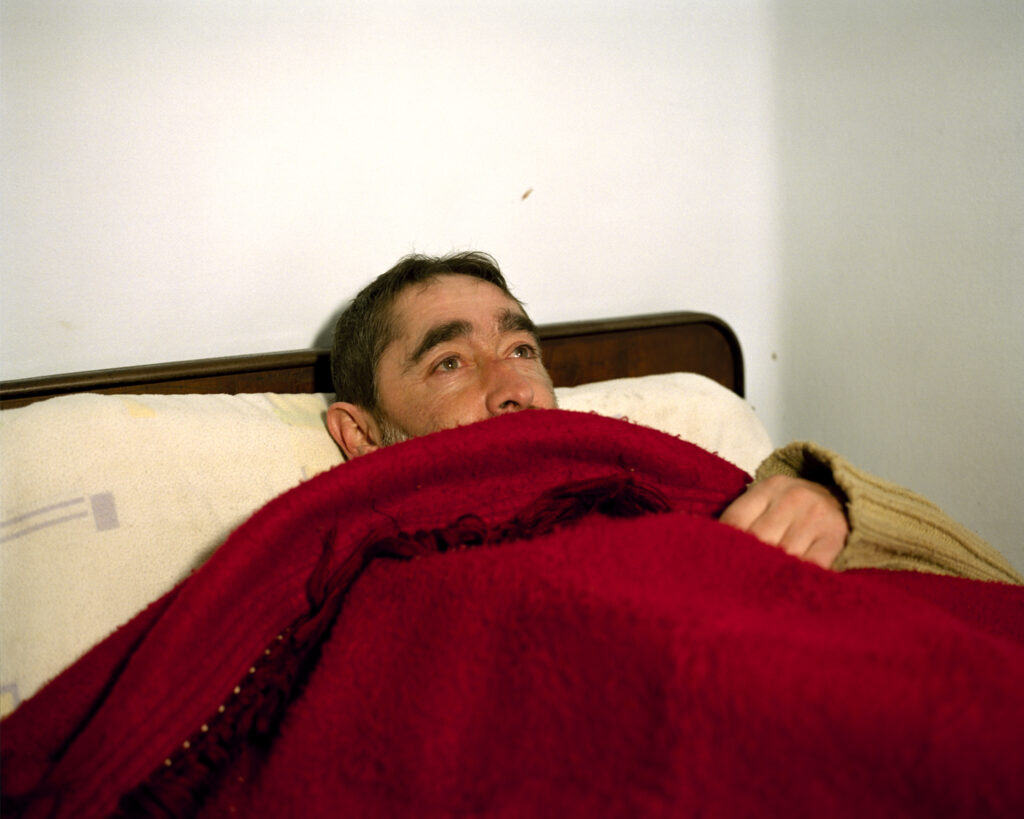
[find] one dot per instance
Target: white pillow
(687, 405)
(107, 501)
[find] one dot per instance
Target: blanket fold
(537, 614)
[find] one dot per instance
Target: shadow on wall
(325, 335)
(901, 184)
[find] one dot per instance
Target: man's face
(464, 352)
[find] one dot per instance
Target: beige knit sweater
(890, 527)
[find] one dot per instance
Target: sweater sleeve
(890, 527)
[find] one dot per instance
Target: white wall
(187, 179)
(841, 181)
(900, 129)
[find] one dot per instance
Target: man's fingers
(800, 517)
(776, 528)
(772, 512)
(824, 551)
(745, 510)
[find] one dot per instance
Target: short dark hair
(367, 325)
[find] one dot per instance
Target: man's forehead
(454, 298)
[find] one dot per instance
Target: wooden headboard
(575, 353)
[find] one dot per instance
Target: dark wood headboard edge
(156, 373)
(150, 377)
(648, 320)
(305, 370)
(651, 321)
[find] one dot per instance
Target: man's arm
(889, 527)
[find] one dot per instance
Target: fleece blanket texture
(537, 615)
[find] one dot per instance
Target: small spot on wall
(775, 356)
(527, 193)
(67, 325)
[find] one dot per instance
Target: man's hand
(798, 516)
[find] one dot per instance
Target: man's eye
(448, 364)
(525, 351)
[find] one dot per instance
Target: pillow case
(687, 405)
(107, 501)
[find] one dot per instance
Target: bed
(205, 611)
(197, 421)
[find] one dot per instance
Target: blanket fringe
(258, 703)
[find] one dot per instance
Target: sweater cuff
(890, 526)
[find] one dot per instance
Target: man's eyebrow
(509, 321)
(512, 322)
(439, 335)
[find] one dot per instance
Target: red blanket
(536, 615)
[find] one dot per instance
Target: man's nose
(508, 390)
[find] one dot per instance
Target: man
(436, 343)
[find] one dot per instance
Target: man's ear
(353, 429)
